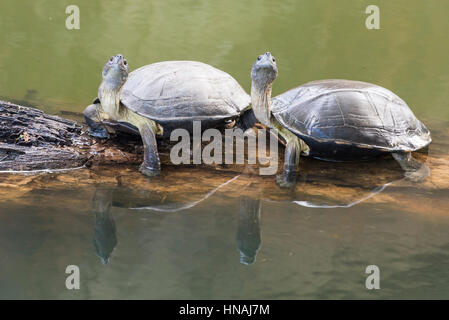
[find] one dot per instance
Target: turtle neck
(261, 102)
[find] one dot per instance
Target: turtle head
(115, 72)
(264, 70)
(263, 73)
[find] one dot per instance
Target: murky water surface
(194, 233)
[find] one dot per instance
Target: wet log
(33, 140)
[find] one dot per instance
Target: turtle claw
(418, 175)
(414, 170)
(286, 179)
(149, 172)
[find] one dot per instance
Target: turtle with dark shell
(160, 97)
(337, 120)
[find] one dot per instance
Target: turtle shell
(341, 118)
(177, 91)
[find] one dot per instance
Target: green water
(193, 253)
(43, 62)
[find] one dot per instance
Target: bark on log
(33, 140)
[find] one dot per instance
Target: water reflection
(324, 205)
(328, 186)
(159, 204)
(249, 238)
(105, 235)
(201, 234)
(105, 238)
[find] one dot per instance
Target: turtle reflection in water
(105, 238)
(129, 196)
(324, 186)
(337, 120)
(249, 238)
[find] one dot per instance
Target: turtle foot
(149, 172)
(417, 175)
(286, 179)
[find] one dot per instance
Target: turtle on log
(160, 97)
(337, 120)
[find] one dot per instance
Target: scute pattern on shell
(183, 90)
(351, 112)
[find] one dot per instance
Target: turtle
(337, 120)
(161, 97)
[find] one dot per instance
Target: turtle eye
(125, 63)
(259, 57)
(274, 60)
(112, 58)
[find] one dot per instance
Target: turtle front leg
(93, 120)
(293, 149)
(414, 170)
(287, 178)
(151, 165)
